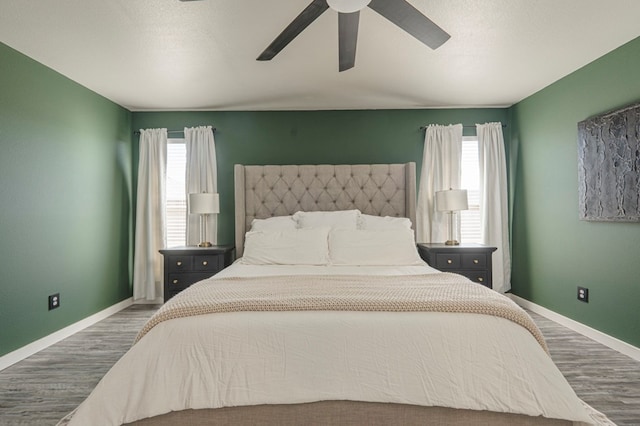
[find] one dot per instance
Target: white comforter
(247, 358)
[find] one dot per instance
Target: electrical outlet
(54, 301)
(583, 294)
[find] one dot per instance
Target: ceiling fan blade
(347, 39)
(411, 20)
(302, 21)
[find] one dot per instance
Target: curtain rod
(468, 126)
(137, 132)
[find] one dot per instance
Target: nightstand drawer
(213, 263)
(480, 277)
(181, 281)
(474, 260)
(447, 261)
(180, 263)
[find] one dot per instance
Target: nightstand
(184, 266)
(471, 260)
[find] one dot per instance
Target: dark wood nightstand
(184, 266)
(471, 260)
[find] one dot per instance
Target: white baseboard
(40, 344)
(600, 337)
(158, 301)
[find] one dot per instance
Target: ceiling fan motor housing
(348, 6)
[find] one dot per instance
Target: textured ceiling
(172, 55)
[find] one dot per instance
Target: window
(470, 180)
(176, 208)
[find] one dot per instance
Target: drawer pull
(449, 261)
(205, 263)
(480, 279)
(179, 263)
(175, 281)
(476, 261)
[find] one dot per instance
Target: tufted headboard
(376, 189)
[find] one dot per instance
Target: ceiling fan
(400, 12)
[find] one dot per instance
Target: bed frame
(376, 189)
(380, 189)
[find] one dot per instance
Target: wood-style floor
(48, 385)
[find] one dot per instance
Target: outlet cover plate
(583, 294)
(54, 301)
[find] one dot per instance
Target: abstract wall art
(609, 166)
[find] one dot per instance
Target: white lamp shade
(451, 200)
(348, 6)
(204, 203)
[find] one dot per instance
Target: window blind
(470, 180)
(176, 207)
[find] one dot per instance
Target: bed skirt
(343, 413)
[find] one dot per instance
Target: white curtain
(494, 214)
(202, 175)
(440, 170)
(150, 215)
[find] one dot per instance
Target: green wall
(311, 137)
(553, 251)
(65, 168)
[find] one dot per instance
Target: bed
(330, 317)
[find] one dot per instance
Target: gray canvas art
(609, 166)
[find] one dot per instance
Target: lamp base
(205, 244)
(452, 243)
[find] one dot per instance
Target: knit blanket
(441, 292)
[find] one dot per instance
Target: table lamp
(204, 204)
(452, 201)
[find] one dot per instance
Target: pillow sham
(276, 223)
(287, 247)
(369, 247)
(379, 223)
(340, 219)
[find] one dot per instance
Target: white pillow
(379, 223)
(276, 223)
(341, 219)
(291, 247)
(367, 247)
